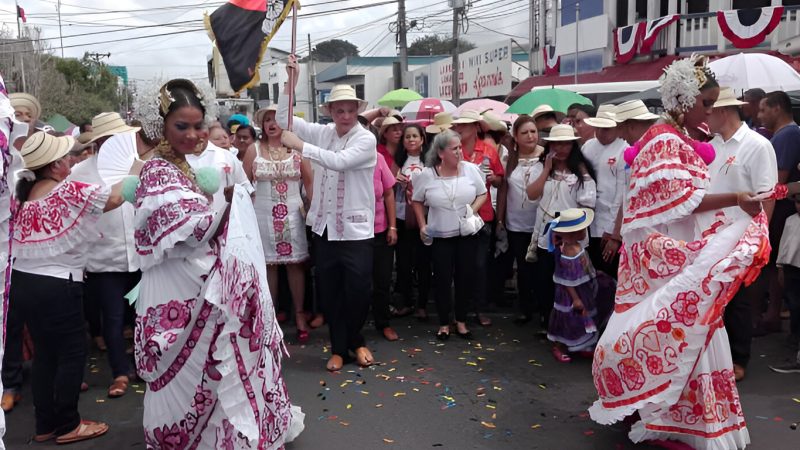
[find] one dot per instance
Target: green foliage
(334, 50)
(78, 89)
(433, 44)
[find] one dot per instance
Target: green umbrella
(59, 123)
(558, 99)
(399, 98)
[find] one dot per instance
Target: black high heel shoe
(466, 336)
(442, 336)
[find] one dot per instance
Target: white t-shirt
(448, 197)
(562, 191)
(789, 248)
(411, 167)
(609, 169)
(520, 210)
(746, 162)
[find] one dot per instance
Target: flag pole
(293, 73)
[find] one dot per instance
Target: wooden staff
(293, 72)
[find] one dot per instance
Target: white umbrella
(755, 70)
(426, 108)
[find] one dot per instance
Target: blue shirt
(786, 142)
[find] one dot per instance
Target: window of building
(360, 90)
(589, 61)
(744, 4)
(588, 9)
(697, 6)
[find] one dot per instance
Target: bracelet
(393, 228)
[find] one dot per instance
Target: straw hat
(573, 219)
(41, 149)
(471, 116)
(22, 99)
(542, 109)
(342, 92)
(562, 132)
(109, 124)
(633, 110)
(493, 121)
(387, 122)
(727, 98)
(259, 117)
(84, 137)
(605, 117)
(441, 121)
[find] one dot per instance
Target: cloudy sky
(109, 26)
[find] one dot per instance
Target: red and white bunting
(746, 28)
(552, 63)
(652, 29)
(626, 41)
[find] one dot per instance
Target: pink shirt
(383, 180)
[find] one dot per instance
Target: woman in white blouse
(452, 190)
(567, 181)
(516, 213)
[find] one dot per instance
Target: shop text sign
(484, 72)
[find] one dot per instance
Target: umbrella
(486, 104)
(59, 123)
(426, 109)
(558, 99)
(398, 98)
(755, 70)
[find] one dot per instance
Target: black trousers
(526, 272)
(545, 287)
(791, 278)
(738, 319)
(596, 255)
(343, 271)
(484, 271)
(107, 290)
(413, 257)
(53, 309)
(382, 259)
(12, 358)
(454, 261)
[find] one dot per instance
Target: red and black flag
(242, 30)
(21, 14)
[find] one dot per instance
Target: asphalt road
(501, 391)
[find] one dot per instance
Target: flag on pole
(242, 29)
(21, 14)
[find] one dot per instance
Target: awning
(618, 78)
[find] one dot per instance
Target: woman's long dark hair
(24, 187)
(573, 161)
(401, 155)
(513, 153)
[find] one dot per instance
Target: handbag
(470, 224)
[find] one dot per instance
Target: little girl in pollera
(574, 319)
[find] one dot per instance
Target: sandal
(87, 429)
(402, 312)
(302, 331)
(44, 437)
(561, 356)
(119, 387)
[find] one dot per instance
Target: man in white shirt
(342, 213)
(604, 152)
(745, 162)
(230, 169)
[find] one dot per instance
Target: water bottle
(486, 165)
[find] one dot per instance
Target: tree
(334, 50)
(435, 45)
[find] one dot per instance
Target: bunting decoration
(552, 63)
(241, 30)
(652, 29)
(626, 41)
(746, 28)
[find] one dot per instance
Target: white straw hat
(387, 122)
(259, 115)
(109, 124)
(25, 100)
(727, 98)
(542, 109)
(562, 132)
(342, 92)
(41, 149)
(493, 121)
(605, 118)
(573, 219)
(633, 110)
(471, 116)
(441, 121)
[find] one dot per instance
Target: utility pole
(458, 7)
(577, 35)
(401, 34)
(60, 36)
(22, 52)
(312, 82)
(532, 8)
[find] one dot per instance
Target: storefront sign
(484, 72)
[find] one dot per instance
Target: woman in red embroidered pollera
(664, 359)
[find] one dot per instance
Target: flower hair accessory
(166, 99)
(682, 81)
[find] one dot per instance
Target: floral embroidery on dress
(58, 213)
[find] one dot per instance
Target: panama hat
(342, 92)
(25, 100)
(493, 121)
(109, 124)
(41, 149)
(541, 110)
(605, 117)
(633, 110)
(573, 219)
(259, 116)
(471, 116)
(441, 121)
(387, 122)
(84, 137)
(727, 98)
(561, 132)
